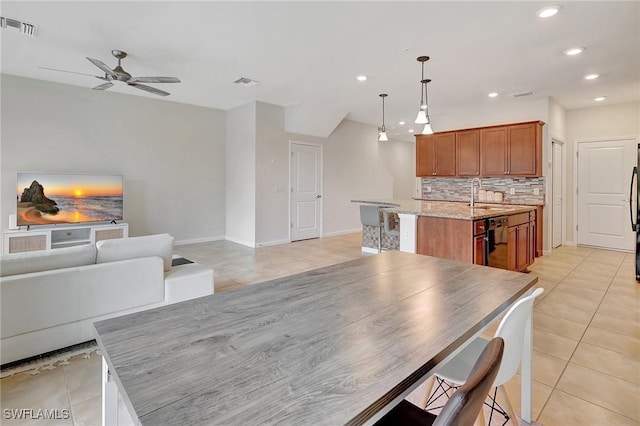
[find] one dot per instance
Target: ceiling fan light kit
(118, 74)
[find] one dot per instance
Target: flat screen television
(49, 199)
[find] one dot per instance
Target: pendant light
(422, 117)
(427, 125)
(382, 135)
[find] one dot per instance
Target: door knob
(318, 196)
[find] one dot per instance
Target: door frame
(321, 218)
(563, 190)
(576, 146)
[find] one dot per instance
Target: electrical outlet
(512, 191)
(536, 191)
(428, 189)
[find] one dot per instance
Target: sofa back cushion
(134, 247)
(45, 260)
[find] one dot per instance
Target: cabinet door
(532, 242)
(493, 151)
(425, 155)
(523, 149)
(468, 153)
(523, 247)
(446, 154)
(479, 250)
(539, 232)
(512, 248)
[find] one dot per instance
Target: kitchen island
(457, 231)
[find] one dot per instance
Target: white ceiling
(310, 52)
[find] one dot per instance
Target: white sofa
(49, 299)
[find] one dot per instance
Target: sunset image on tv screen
(56, 198)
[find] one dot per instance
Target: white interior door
(306, 191)
(556, 202)
(604, 170)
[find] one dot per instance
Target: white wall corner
(312, 119)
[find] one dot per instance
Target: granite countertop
(449, 209)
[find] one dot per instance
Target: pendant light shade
(422, 117)
(382, 133)
(427, 129)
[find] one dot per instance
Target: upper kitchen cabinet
(468, 152)
(436, 154)
(525, 149)
(510, 149)
(514, 150)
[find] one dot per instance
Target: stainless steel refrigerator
(635, 213)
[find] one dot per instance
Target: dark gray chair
(465, 404)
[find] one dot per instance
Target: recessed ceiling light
(410, 130)
(493, 94)
(600, 98)
(402, 123)
(574, 51)
(591, 76)
(549, 11)
(361, 78)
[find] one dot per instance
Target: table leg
(109, 397)
(526, 391)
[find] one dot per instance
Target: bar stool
(391, 227)
(370, 216)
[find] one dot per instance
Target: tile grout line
(580, 341)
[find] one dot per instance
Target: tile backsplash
(459, 189)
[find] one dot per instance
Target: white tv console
(58, 236)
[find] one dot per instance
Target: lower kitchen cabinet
(520, 242)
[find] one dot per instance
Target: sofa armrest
(39, 300)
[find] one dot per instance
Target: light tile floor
(586, 333)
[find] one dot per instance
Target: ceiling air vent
(22, 27)
(522, 94)
(246, 82)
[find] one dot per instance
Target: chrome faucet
(473, 187)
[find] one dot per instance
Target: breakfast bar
(460, 231)
(336, 345)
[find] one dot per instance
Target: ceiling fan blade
(154, 80)
(149, 89)
(104, 86)
(103, 67)
(70, 72)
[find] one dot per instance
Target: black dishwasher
(497, 242)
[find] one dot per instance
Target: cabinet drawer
(518, 219)
(479, 227)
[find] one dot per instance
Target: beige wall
(602, 122)
(171, 155)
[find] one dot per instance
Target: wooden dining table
(331, 346)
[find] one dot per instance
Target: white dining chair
(454, 373)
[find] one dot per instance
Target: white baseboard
(272, 243)
(569, 243)
(346, 231)
(369, 250)
(244, 243)
(198, 240)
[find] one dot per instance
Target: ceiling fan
(119, 74)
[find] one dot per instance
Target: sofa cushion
(134, 247)
(45, 260)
